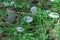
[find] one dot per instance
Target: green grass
(42, 28)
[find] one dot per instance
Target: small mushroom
(19, 29)
(54, 15)
(33, 10)
(28, 19)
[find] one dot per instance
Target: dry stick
(25, 13)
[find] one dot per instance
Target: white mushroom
(19, 29)
(33, 10)
(28, 19)
(54, 15)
